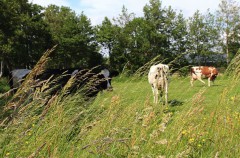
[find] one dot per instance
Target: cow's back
(152, 74)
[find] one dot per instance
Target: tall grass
(200, 121)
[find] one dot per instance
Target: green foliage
(4, 88)
(233, 68)
(203, 38)
(228, 17)
(75, 38)
(24, 34)
(3, 85)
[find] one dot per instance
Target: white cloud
(189, 7)
(45, 3)
(96, 10)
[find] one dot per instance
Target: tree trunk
(1, 71)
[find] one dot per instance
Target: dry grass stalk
(35, 154)
(233, 68)
(145, 68)
(24, 91)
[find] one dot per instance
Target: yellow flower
(29, 133)
(191, 140)
(184, 132)
(33, 125)
(203, 140)
(26, 142)
(199, 145)
(7, 154)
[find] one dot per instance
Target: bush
(4, 87)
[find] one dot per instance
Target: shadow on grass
(205, 85)
(175, 102)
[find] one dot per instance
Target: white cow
(158, 78)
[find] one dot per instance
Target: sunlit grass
(200, 121)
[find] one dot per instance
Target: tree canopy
(124, 42)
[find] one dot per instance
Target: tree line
(125, 42)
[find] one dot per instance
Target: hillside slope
(200, 121)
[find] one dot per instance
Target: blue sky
(96, 10)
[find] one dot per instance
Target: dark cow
(197, 72)
(56, 79)
(17, 76)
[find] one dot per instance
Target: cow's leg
(191, 81)
(199, 79)
(166, 98)
(166, 92)
(153, 90)
(157, 95)
(161, 96)
(209, 81)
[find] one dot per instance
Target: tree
(124, 18)
(203, 35)
(132, 42)
(105, 34)
(135, 43)
(23, 33)
(234, 41)
(176, 32)
(154, 15)
(228, 16)
(75, 38)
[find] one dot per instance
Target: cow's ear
(165, 68)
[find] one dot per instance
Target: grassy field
(200, 121)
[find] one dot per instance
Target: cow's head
(107, 85)
(214, 74)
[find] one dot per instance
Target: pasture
(200, 121)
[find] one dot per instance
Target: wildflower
(136, 148)
(184, 132)
(203, 140)
(33, 125)
(26, 142)
(34, 117)
(163, 142)
(7, 154)
(199, 145)
(191, 140)
(29, 133)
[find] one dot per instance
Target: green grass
(200, 121)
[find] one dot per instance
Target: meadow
(200, 121)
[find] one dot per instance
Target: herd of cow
(158, 77)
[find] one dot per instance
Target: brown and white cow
(158, 78)
(197, 72)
